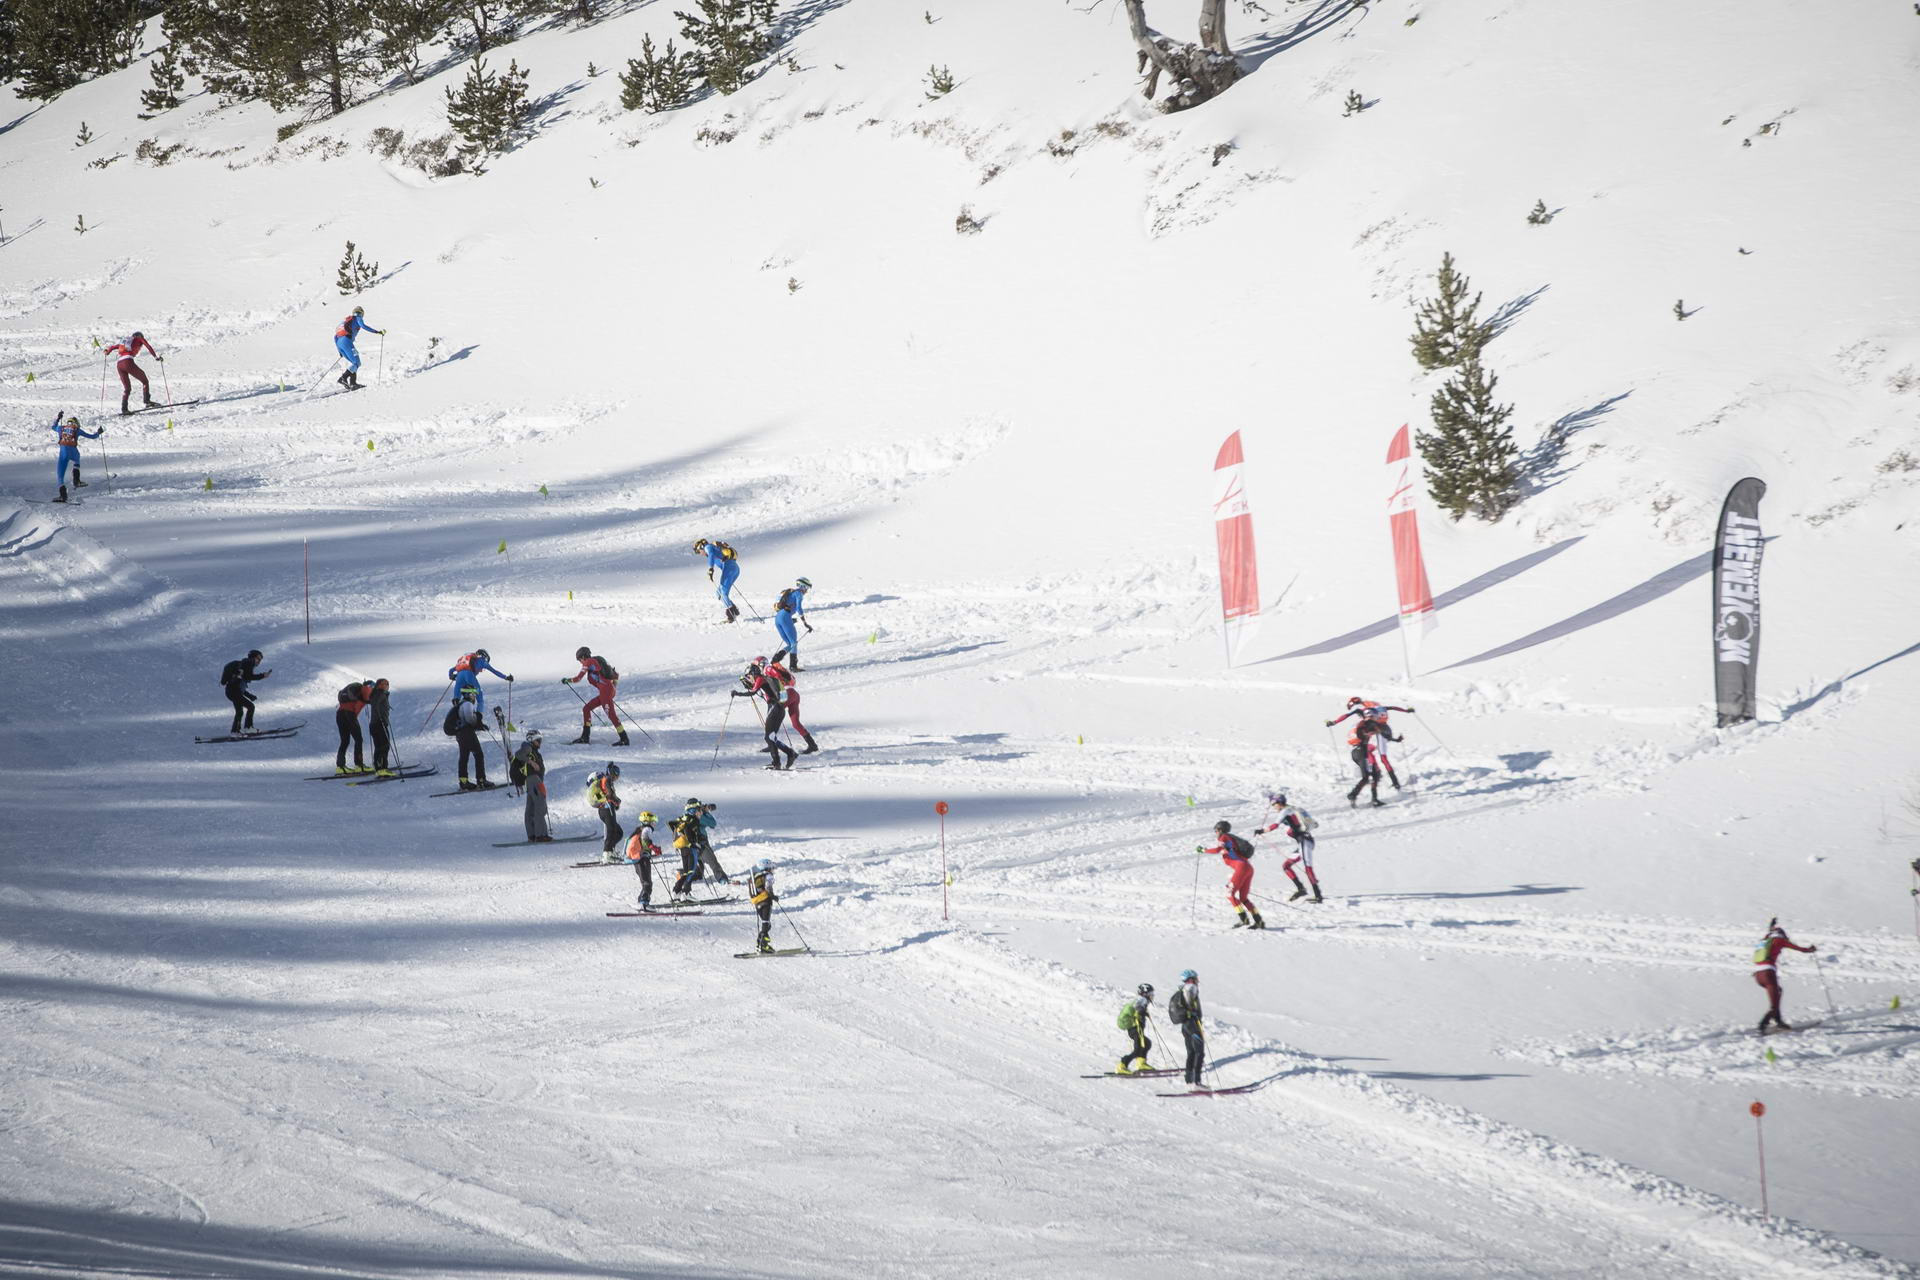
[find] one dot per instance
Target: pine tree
(406, 27)
(59, 43)
(1539, 215)
(167, 79)
(308, 55)
(1446, 330)
(356, 273)
(727, 38)
(657, 82)
(1472, 465)
(489, 113)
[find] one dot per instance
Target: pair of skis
(355, 779)
(1161, 1073)
(672, 909)
(282, 731)
(515, 844)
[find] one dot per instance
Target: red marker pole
(1760, 1109)
(941, 809)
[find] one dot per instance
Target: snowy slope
(267, 1027)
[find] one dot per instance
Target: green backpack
(1129, 1019)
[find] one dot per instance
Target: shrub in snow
(966, 224)
(1472, 465)
(657, 82)
(939, 83)
(356, 273)
(1446, 329)
(86, 135)
(489, 113)
(1539, 216)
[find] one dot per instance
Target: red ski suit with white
(603, 690)
(1239, 871)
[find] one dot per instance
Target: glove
(564, 680)
(509, 679)
(739, 693)
(1329, 724)
(709, 575)
(806, 624)
(162, 359)
(1412, 712)
(1198, 849)
(1811, 947)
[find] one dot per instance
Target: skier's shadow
(1517, 891)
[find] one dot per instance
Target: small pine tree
(1539, 216)
(167, 79)
(356, 273)
(1446, 329)
(1472, 465)
(939, 83)
(1355, 104)
(1680, 311)
(727, 38)
(657, 82)
(85, 135)
(80, 224)
(489, 113)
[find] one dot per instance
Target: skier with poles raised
(70, 434)
(604, 798)
(724, 558)
(1366, 710)
(641, 851)
(129, 371)
(1766, 958)
(1184, 1009)
(343, 338)
(760, 889)
(346, 718)
(599, 673)
(465, 674)
(1237, 853)
(465, 723)
(1299, 825)
(528, 770)
(234, 679)
(1133, 1020)
(1367, 738)
(792, 606)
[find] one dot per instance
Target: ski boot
(78, 483)
(733, 611)
(342, 380)
(146, 402)
(363, 768)
(608, 857)
(586, 735)
(466, 785)
(763, 946)
(385, 773)
(1378, 803)
(62, 495)
(341, 771)
(621, 741)
(124, 411)
(353, 379)
(1241, 921)
(481, 784)
(1316, 892)
(1258, 922)
(812, 746)
(1297, 894)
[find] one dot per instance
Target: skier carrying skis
(1133, 1021)
(724, 558)
(1366, 740)
(1358, 706)
(600, 674)
(1237, 853)
(128, 370)
(528, 770)
(766, 679)
(760, 887)
(343, 337)
(346, 718)
(641, 851)
(379, 708)
(1299, 825)
(465, 674)
(605, 802)
(696, 821)
(1765, 959)
(70, 433)
(1184, 1009)
(234, 679)
(465, 723)
(792, 605)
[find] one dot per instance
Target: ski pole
(1196, 888)
(1436, 737)
(103, 382)
(105, 469)
(509, 704)
(750, 609)
(722, 737)
(1822, 971)
(635, 723)
(383, 356)
(323, 377)
(166, 388)
(436, 707)
(791, 925)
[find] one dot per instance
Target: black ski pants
(766, 922)
(1196, 1051)
(644, 869)
(1140, 1048)
(612, 825)
(242, 707)
(776, 717)
(469, 739)
(1369, 773)
(348, 722)
(382, 743)
(689, 871)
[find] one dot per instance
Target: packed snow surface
(261, 1026)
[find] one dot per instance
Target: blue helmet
(1188, 975)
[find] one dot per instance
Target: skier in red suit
(128, 370)
(1765, 959)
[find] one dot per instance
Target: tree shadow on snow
(1544, 465)
(1324, 16)
(1466, 1077)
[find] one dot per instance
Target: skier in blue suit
(792, 605)
(465, 674)
(70, 434)
(343, 337)
(722, 557)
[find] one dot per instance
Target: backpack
(1177, 1006)
(1240, 845)
(517, 768)
(1129, 1019)
(726, 551)
(785, 601)
(353, 693)
(607, 672)
(1307, 821)
(230, 673)
(451, 725)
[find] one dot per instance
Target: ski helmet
(1188, 975)
(1278, 799)
(583, 653)
(805, 584)
(646, 815)
(72, 421)
(764, 864)
(1353, 701)
(1223, 825)
(255, 654)
(138, 334)
(359, 311)
(533, 736)
(760, 661)
(699, 545)
(613, 770)
(483, 655)
(1145, 989)
(692, 803)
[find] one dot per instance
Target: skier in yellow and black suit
(760, 887)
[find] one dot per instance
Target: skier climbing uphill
(1133, 1021)
(1237, 853)
(760, 889)
(129, 371)
(1374, 711)
(599, 673)
(1184, 1009)
(1299, 825)
(234, 679)
(605, 800)
(1366, 740)
(722, 557)
(343, 337)
(1766, 958)
(771, 681)
(792, 606)
(465, 674)
(641, 851)
(70, 433)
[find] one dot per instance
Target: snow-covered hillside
(262, 1026)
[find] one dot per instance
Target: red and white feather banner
(1233, 532)
(1416, 598)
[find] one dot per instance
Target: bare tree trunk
(1195, 72)
(1213, 26)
